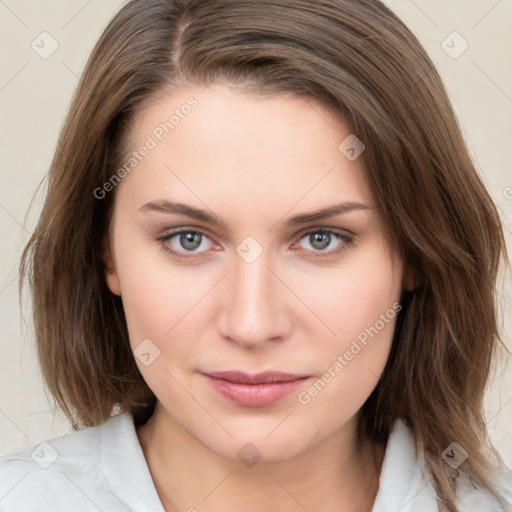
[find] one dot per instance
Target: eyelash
(344, 236)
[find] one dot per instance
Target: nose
(255, 310)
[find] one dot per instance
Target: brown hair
(357, 58)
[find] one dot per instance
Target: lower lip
(255, 395)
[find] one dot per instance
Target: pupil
(318, 237)
(187, 240)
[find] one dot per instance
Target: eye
(188, 243)
(334, 241)
(186, 240)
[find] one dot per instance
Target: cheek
(161, 307)
(362, 309)
(351, 296)
(156, 293)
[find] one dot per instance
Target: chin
(281, 445)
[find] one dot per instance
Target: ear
(110, 268)
(411, 278)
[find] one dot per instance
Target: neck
(330, 476)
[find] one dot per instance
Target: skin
(253, 162)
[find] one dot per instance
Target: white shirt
(103, 469)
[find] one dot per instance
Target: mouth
(256, 390)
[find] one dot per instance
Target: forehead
(240, 148)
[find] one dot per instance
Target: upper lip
(258, 378)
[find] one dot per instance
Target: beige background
(34, 96)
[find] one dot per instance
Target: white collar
(121, 456)
(404, 485)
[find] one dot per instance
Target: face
(224, 266)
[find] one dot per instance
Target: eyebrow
(169, 207)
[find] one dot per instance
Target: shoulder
(406, 485)
(38, 476)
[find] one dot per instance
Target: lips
(259, 378)
(257, 390)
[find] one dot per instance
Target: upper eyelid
(313, 229)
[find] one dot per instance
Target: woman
(264, 272)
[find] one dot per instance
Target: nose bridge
(254, 307)
(252, 281)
